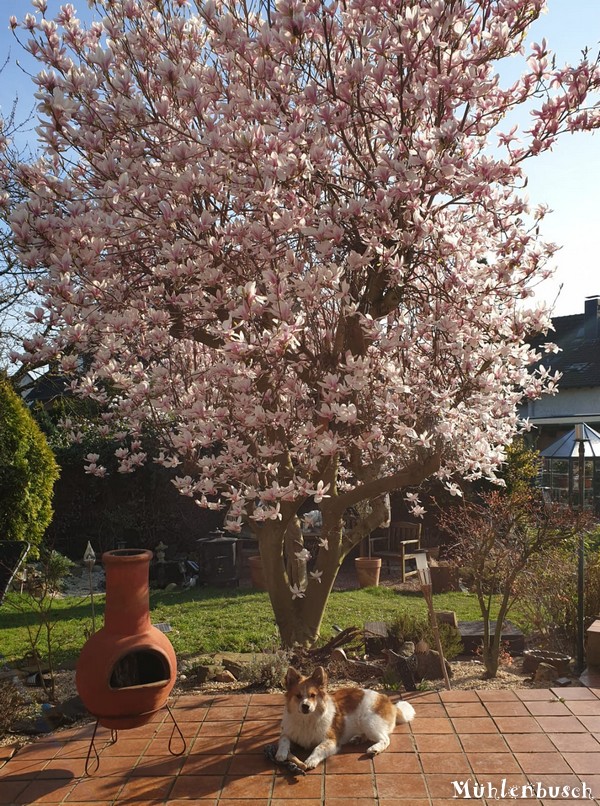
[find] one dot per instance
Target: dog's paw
(281, 757)
(356, 739)
(379, 747)
(311, 763)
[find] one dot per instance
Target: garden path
(540, 737)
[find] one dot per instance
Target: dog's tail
(405, 712)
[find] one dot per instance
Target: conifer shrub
(28, 471)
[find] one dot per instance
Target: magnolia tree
(289, 239)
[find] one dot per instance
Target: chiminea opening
(142, 667)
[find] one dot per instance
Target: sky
(567, 179)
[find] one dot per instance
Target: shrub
(27, 472)
(266, 669)
(11, 705)
(547, 595)
(592, 589)
(415, 628)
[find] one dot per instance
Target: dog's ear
(319, 677)
(292, 677)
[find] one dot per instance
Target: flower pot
(533, 657)
(368, 570)
(257, 576)
(126, 670)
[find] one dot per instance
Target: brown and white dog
(322, 722)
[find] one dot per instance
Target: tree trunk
(299, 606)
(294, 543)
(492, 645)
(490, 661)
(299, 599)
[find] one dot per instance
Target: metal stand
(178, 729)
(581, 565)
(113, 738)
(114, 735)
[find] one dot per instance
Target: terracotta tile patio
(500, 739)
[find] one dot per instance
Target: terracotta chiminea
(127, 669)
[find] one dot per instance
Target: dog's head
(306, 694)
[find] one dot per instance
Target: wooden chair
(400, 543)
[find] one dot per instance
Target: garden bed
(467, 675)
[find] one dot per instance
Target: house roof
(46, 388)
(578, 338)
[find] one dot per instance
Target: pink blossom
(304, 266)
(321, 492)
(454, 489)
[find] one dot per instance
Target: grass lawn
(206, 620)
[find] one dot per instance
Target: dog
(322, 722)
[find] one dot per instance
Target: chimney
(591, 318)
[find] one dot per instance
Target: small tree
(496, 539)
(27, 471)
(44, 584)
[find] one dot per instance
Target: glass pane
(560, 466)
(588, 481)
(588, 474)
(555, 477)
(560, 481)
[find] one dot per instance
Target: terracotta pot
(127, 669)
(368, 570)
(257, 576)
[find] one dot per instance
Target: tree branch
(410, 476)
